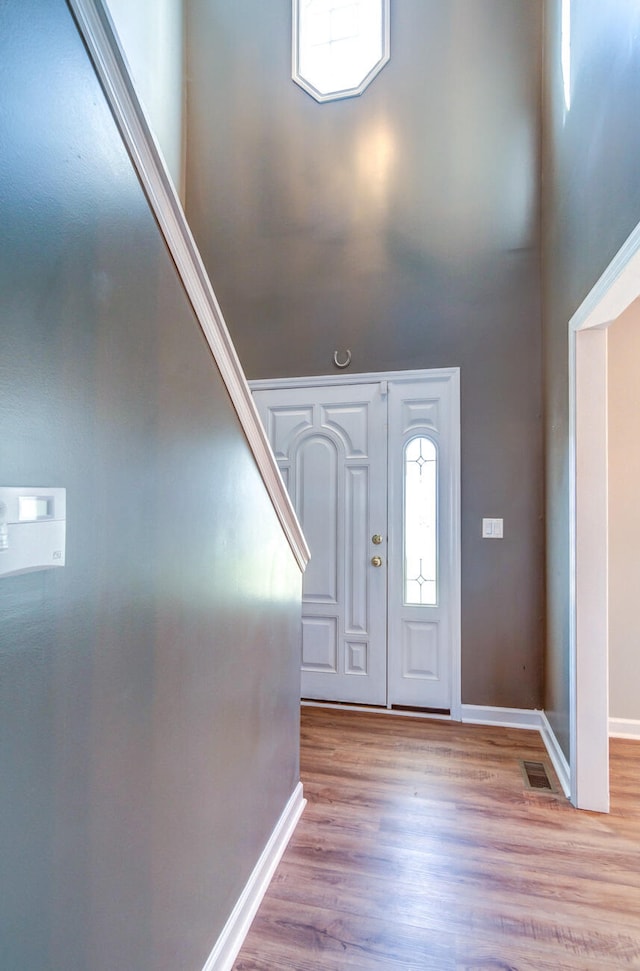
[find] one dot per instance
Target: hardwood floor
(421, 848)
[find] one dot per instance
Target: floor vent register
(536, 776)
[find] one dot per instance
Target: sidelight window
(420, 522)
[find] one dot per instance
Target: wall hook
(341, 364)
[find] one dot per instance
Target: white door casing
(329, 435)
(420, 635)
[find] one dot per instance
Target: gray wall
(591, 205)
(151, 33)
(402, 225)
(149, 690)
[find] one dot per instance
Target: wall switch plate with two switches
(492, 528)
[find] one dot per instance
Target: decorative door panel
(420, 651)
(316, 498)
(330, 443)
(319, 644)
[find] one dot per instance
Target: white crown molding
(235, 930)
(100, 37)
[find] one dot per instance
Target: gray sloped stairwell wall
(148, 690)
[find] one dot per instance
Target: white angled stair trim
(624, 728)
(235, 930)
(110, 64)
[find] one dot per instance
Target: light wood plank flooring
(421, 848)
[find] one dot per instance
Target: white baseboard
(624, 728)
(557, 756)
(375, 710)
(529, 718)
(235, 930)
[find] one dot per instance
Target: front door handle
(376, 561)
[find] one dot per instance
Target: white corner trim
(618, 287)
(100, 37)
(235, 930)
(624, 728)
(557, 756)
(528, 718)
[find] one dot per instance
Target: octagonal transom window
(339, 45)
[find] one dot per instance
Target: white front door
(372, 468)
(330, 444)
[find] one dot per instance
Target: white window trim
(345, 92)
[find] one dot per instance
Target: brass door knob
(376, 539)
(376, 561)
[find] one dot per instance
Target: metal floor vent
(536, 777)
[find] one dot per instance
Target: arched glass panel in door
(420, 522)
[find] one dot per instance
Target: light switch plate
(32, 529)
(492, 528)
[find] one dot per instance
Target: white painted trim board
(589, 581)
(616, 290)
(100, 37)
(624, 728)
(526, 718)
(235, 930)
(557, 756)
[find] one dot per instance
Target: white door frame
(453, 376)
(617, 288)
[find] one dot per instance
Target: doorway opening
(616, 290)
